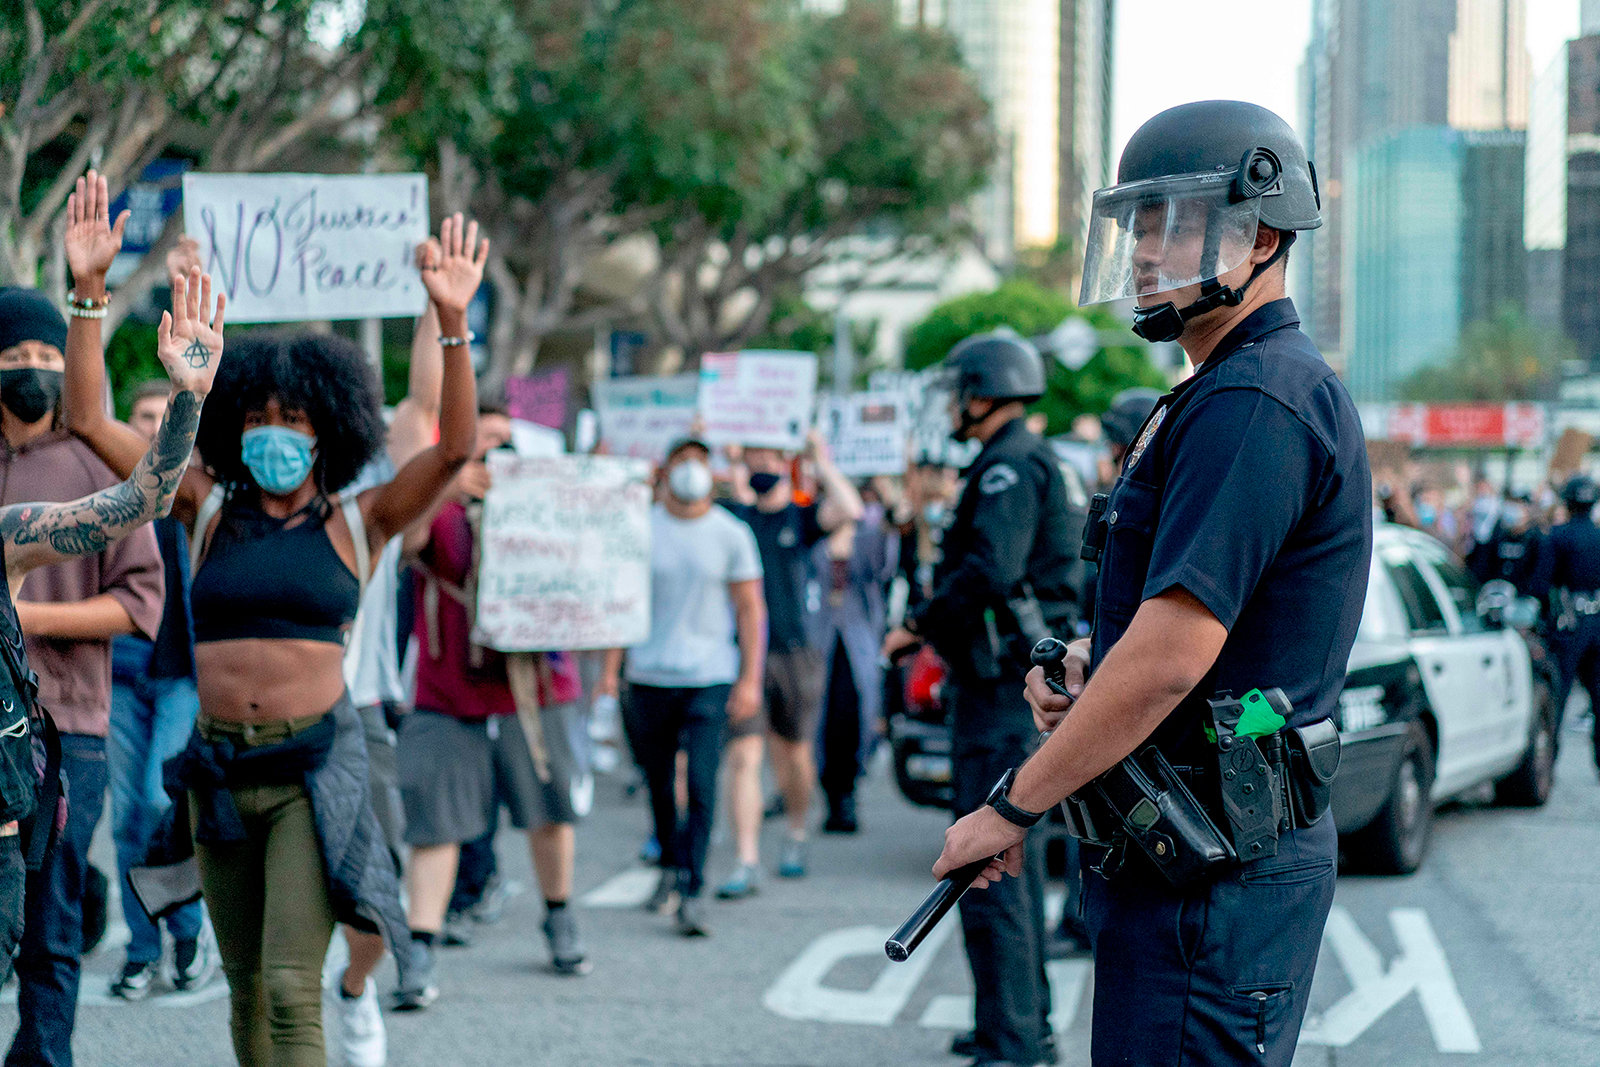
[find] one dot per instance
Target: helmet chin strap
(966, 421)
(1166, 321)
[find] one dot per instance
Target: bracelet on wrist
(457, 342)
(85, 313)
(87, 303)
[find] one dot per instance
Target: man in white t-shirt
(699, 670)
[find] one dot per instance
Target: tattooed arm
(190, 348)
(92, 243)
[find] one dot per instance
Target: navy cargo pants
(1577, 653)
(1217, 975)
(1003, 924)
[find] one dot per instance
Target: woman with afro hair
(276, 772)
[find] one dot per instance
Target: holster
(1313, 761)
(1143, 800)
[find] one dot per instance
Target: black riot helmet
(1580, 495)
(1194, 185)
(1128, 411)
(999, 366)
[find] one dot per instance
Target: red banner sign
(1466, 425)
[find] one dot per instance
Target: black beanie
(29, 315)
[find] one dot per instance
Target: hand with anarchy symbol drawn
(187, 341)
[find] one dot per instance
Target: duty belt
(1267, 785)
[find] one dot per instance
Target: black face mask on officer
(963, 421)
(30, 393)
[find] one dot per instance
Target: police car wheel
(1529, 785)
(1397, 838)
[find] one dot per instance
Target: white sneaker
(361, 1032)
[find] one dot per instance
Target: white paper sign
(641, 416)
(866, 432)
(928, 406)
(757, 398)
(299, 247)
(566, 554)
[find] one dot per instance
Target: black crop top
(263, 578)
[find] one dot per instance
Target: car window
(1379, 614)
(1423, 613)
(1460, 586)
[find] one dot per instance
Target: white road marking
(93, 992)
(629, 889)
(954, 1011)
(799, 993)
(1420, 967)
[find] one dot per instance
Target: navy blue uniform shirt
(1571, 559)
(1249, 488)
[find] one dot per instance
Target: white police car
(1446, 692)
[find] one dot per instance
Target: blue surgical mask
(279, 458)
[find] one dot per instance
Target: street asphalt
(1489, 956)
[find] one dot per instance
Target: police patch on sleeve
(997, 479)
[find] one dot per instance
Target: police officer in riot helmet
(1121, 423)
(1192, 733)
(1003, 582)
(1569, 576)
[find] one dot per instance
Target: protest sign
(928, 412)
(298, 247)
(641, 416)
(757, 398)
(866, 432)
(565, 554)
(539, 398)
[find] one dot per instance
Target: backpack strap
(209, 509)
(39, 829)
(351, 506)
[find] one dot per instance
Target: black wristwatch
(1008, 811)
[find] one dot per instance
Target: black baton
(1049, 654)
(914, 930)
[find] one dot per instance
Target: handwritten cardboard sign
(566, 554)
(642, 416)
(299, 247)
(757, 398)
(539, 398)
(866, 433)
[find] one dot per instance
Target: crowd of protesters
(281, 684)
(282, 689)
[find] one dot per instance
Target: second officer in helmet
(1004, 581)
(1199, 751)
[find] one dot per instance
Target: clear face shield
(1167, 234)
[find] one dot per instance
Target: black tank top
(263, 578)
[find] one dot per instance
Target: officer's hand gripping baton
(1049, 654)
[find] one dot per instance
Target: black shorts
(455, 772)
(792, 690)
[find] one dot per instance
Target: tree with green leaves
(239, 85)
(870, 125)
(558, 122)
(1503, 358)
(1121, 362)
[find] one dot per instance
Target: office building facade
(1433, 241)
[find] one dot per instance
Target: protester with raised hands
(67, 612)
(276, 771)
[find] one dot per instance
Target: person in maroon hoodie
(473, 741)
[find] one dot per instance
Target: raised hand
(452, 264)
(183, 256)
(92, 241)
(189, 345)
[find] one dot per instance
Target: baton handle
(936, 906)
